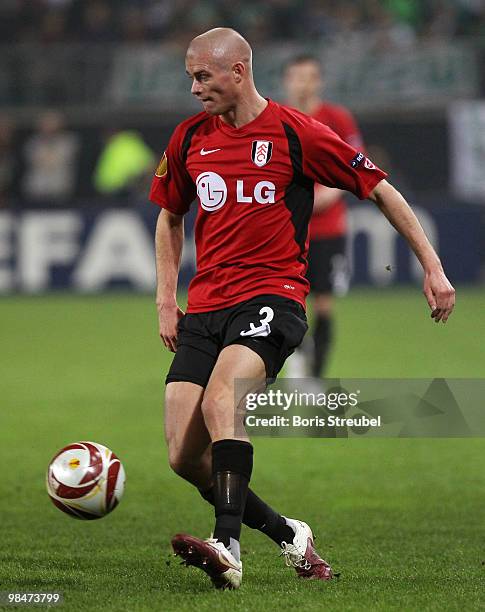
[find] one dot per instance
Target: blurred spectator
(285, 18)
(58, 3)
(201, 16)
(349, 27)
(9, 20)
(252, 18)
(348, 17)
(159, 16)
(51, 154)
(105, 21)
(409, 12)
(123, 166)
(319, 19)
(133, 25)
(53, 28)
(98, 22)
(7, 160)
(391, 31)
(443, 20)
(29, 16)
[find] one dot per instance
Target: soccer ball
(85, 480)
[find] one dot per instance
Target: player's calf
(232, 464)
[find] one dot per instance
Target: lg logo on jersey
(212, 192)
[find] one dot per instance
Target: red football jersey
(255, 193)
(332, 221)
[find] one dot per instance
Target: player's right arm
(169, 240)
(173, 190)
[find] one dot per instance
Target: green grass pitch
(401, 519)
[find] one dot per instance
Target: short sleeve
(172, 187)
(328, 160)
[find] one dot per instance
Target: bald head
(222, 46)
(219, 64)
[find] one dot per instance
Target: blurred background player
(50, 162)
(328, 270)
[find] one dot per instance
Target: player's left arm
(438, 290)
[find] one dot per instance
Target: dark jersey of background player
(255, 186)
(328, 267)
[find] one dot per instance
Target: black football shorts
(270, 325)
(328, 269)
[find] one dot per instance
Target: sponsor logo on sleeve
(357, 160)
(368, 164)
(161, 170)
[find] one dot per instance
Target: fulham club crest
(261, 152)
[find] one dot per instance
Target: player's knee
(215, 405)
(173, 398)
(322, 304)
(183, 466)
(176, 462)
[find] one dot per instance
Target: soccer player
(327, 263)
(252, 164)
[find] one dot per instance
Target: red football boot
(301, 554)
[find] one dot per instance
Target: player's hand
(168, 317)
(440, 294)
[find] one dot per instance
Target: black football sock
(232, 464)
(258, 515)
(322, 336)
